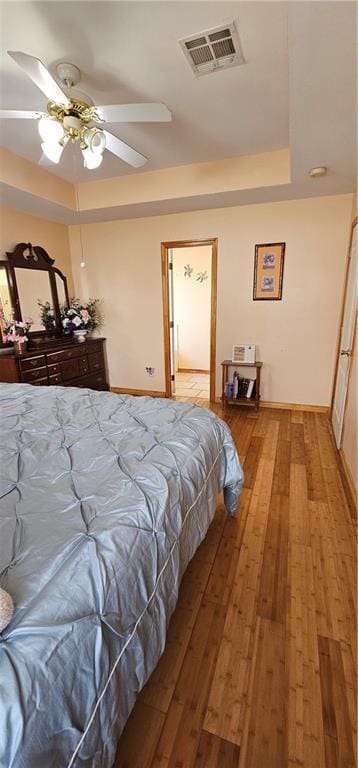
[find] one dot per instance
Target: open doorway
(189, 278)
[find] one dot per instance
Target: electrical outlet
(149, 370)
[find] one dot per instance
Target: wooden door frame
(165, 247)
(338, 349)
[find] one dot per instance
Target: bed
(103, 501)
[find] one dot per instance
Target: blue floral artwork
(267, 284)
(268, 261)
(188, 270)
(202, 276)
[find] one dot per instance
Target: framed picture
(268, 274)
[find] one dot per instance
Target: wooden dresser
(59, 362)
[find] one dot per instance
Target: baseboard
(193, 370)
(349, 487)
(295, 406)
(289, 406)
(138, 392)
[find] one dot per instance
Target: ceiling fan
(74, 117)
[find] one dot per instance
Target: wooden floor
(260, 665)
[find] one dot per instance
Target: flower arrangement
(16, 330)
(81, 317)
(47, 315)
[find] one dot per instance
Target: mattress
(104, 500)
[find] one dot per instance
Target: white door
(346, 342)
(171, 319)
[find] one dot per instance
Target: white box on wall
(243, 353)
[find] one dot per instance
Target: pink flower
(85, 314)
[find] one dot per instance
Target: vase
(20, 347)
(80, 335)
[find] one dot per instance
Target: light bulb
(95, 140)
(52, 150)
(91, 159)
(50, 129)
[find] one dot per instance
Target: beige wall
(349, 441)
(234, 173)
(295, 337)
(19, 227)
(17, 172)
(192, 307)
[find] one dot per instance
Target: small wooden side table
(253, 402)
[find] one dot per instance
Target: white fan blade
(135, 113)
(124, 151)
(37, 72)
(21, 114)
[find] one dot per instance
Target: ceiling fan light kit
(91, 159)
(52, 150)
(50, 130)
(71, 118)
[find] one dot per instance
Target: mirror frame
(27, 256)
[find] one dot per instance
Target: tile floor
(194, 386)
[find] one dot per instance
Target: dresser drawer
(53, 369)
(95, 361)
(98, 381)
(93, 347)
(32, 362)
(70, 369)
(83, 364)
(65, 354)
(55, 379)
(37, 373)
(93, 381)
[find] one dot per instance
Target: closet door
(346, 341)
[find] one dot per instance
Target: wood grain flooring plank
(316, 487)
(298, 453)
(325, 443)
(281, 478)
(180, 737)
(335, 708)
(272, 597)
(251, 462)
(309, 427)
(297, 417)
(228, 696)
(216, 753)
(264, 737)
(299, 516)
(304, 712)
(349, 657)
(134, 752)
(330, 615)
(343, 526)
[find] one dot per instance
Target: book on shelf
(246, 388)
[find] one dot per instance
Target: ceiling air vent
(213, 50)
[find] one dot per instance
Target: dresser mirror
(28, 276)
(33, 285)
(5, 300)
(61, 288)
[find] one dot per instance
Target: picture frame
(268, 271)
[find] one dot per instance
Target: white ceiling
(129, 52)
(297, 87)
